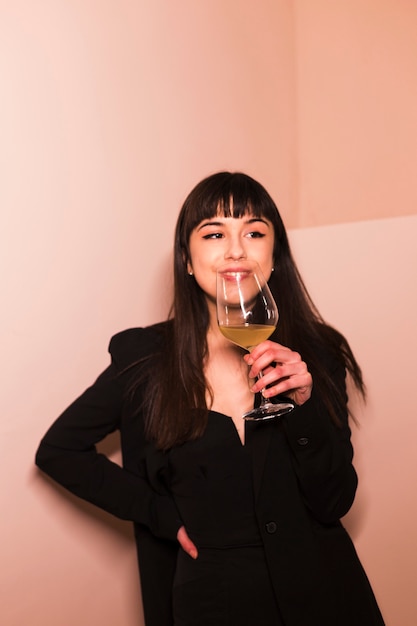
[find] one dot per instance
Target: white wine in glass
(247, 315)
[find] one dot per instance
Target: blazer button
(303, 441)
(271, 528)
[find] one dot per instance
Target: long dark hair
(175, 401)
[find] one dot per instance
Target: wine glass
(247, 315)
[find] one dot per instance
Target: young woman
(237, 523)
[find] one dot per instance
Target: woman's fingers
(186, 544)
(296, 387)
(284, 372)
(268, 353)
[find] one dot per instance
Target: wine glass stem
(263, 399)
(259, 377)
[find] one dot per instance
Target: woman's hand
(282, 368)
(186, 543)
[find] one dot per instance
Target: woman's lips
(234, 270)
(235, 274)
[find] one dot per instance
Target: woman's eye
(255, 234)
(213, 236)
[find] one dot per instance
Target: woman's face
(220, 240)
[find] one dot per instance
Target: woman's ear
(187, 263)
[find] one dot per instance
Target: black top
(211, 481)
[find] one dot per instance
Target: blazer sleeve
(68, 454)
(322, 456)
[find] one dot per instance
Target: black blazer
(304, 482)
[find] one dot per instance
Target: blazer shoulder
(134, 344)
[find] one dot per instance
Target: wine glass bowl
(247, 314)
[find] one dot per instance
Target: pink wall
(108, 116)
(356, 109)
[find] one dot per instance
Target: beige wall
(109, 114)
(362, 276)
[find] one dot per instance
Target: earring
(190, 274)
(273, 269)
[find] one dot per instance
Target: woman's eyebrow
(258, 219)
(212, 223)
(250, 220)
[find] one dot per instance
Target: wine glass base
(268, 411)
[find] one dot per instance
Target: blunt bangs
(228, 195)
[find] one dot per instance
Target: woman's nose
(235, 249)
